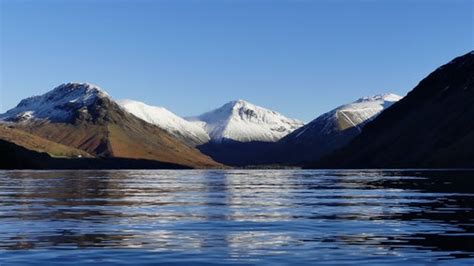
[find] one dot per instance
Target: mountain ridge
(85, 117)
(430, 127)
(188, 132)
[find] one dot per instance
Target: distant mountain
(83, 116)
(188, 132)
(431, 127)
(332, 130)
(241, 133)
(242, 121)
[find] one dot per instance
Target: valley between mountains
(79, 125)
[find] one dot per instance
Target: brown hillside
(39, 144)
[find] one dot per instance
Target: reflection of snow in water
(263, 196)
(244, 244)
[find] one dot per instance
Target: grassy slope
(112, 140)
(151, 144)
(36, 143)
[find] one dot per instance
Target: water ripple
(236, 217)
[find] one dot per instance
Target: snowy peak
(334, 129)
(244, 110)
(353, 115)
(238, 110)
(371, 104)
(388, 97)
(190, 133)
(57, 104)
(244, 122)
(356, 114)
(86, 89)
(83, 93)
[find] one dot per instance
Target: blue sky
(301, 58)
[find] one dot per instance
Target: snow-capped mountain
(191, 133)
(244, 122)
(352, 115)
(57, 104)
(334, 128)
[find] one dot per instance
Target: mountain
(65, 103)
(241, 133)
(432, 127)
(188, 132)
(332, 130)
(242, 121)
(85, 117)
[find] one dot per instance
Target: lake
(236, 217)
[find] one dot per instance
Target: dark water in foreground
(236, 217)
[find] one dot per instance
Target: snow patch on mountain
(352, 115)
(244, 122)
(191, 133)
(56, 104)
(364, 109)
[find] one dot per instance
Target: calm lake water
(236, 217)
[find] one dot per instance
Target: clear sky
(301, 58)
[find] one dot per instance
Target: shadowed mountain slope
(432, 127)
(22, 158)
